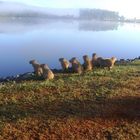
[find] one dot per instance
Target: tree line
(98, 14)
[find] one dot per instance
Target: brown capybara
(76, 66)
(47, 73)
(64, 63)
(94, 60)
(37, 68)
(87, 63)
(109, 63)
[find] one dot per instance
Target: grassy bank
(100, 104)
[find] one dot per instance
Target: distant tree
(98, 14)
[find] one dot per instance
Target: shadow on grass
(120, 108)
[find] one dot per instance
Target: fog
(127, 8)
(14, 7)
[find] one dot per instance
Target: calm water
(47, 40)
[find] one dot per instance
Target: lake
(22, 40)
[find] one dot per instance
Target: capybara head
(32, 62)
(114, 59)
(44, 66)
(94, 55)
(85, 57)
(61, 59)
(72, 59)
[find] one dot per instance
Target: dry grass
(97, 105)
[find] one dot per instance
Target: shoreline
(31, 75)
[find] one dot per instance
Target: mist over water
(46, 41)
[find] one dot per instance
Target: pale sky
(128, 8)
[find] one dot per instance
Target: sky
(128, 8)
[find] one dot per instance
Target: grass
(98, 105)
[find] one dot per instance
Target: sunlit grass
(95, 105)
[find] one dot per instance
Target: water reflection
(21, 25)
(47, 40)
(98, 25)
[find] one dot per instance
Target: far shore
(18, 18)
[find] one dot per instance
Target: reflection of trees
(12, 25)
(98, 25)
